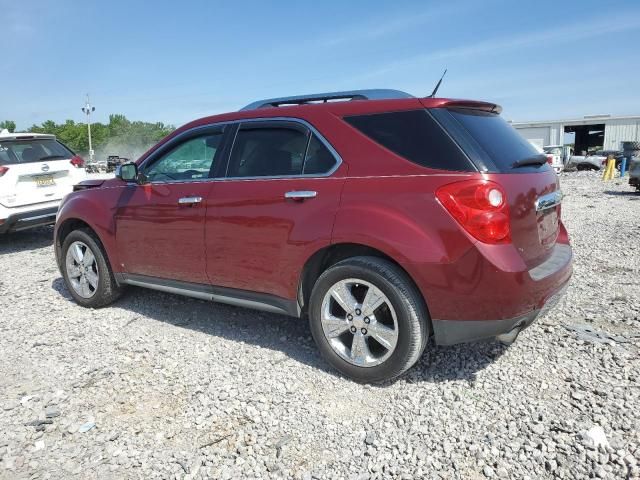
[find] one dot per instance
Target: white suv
(36, 172)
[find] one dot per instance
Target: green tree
(119, 137)
(9, 125)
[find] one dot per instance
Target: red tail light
(77, 161)
(550, 159)
(480, 206)
(3, 170)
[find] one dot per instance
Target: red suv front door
(275, 208)
(160, 224)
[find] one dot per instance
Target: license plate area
(44, 180)
(548, 227)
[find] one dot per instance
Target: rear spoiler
(455, 103)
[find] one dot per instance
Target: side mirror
(127, 172)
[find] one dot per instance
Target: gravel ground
(160, 386)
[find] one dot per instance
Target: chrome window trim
(312, 129)
(306, 151)
(300, 121)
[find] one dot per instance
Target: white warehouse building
(587, 134)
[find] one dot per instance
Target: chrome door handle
(189, 200)
(300, 194)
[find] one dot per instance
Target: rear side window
(260, 151)
(319, 159)
(32, 151)
(414, 135)
(503, 144)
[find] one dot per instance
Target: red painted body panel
(259, 241)
(456, 274)
(160, 238)
(475, 288)
(96, 209)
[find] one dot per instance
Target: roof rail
(375, 94)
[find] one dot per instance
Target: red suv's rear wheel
(368, 319)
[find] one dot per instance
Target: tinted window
(190, 160)
(30, 151)
(319, 159)
(414, 135)
(498, 139)
(267, 152)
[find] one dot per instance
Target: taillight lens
(550, 159)
(3, 170)
(480, 206)
(77, 161)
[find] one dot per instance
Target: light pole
(87, 109)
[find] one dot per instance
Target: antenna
(435, 90)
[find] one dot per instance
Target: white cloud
(380, 27)
(569, 33)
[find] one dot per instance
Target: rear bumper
(29, 219)
(490, 291)
(449, 332)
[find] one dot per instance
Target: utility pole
(87, 109)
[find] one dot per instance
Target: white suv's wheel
(368, 319)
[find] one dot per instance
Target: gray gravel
(160, 386)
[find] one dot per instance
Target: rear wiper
(526, 162)
(49, 157)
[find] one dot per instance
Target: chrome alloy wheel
(359, 322)
(82, 269)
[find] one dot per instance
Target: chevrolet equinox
(384, 218)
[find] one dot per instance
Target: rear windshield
(414, 135)
(32, 150)
(503, 144)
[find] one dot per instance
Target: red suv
(384, 218)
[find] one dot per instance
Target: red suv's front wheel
(86, 270)
(368, 319)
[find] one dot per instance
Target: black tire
(584, 167)
(412, 317)
(107, 290)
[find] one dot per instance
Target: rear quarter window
(413, 135)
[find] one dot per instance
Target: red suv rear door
(160, 224)
(275, 208)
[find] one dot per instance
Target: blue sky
(176, 61)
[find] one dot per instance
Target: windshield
(31, 151)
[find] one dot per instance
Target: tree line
(120, 136)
